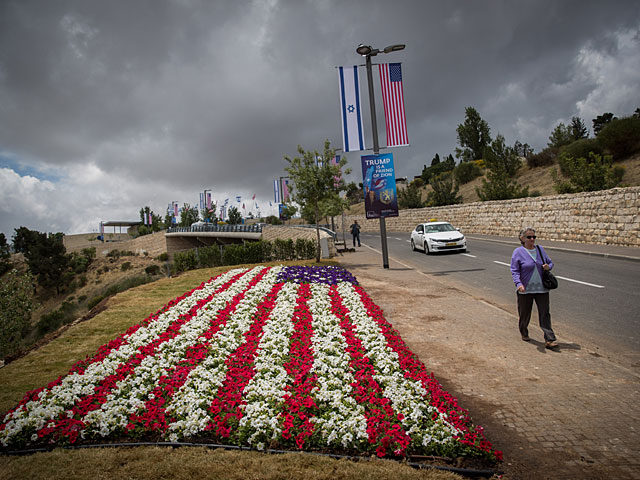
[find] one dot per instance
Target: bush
(50, 322)
(466, 171)
(163, 257)
(542, 159)
(233, 254)
(95, 301)
(581, 148)
(114, 254)
(621, 138)
(210, 256)
(283, 250)
(305, 249)
(16, 305)
(152, 270)
(586, 174)
(185, 260)
(125, 266)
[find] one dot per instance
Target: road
(597, 301)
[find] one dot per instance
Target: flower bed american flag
(267, 357)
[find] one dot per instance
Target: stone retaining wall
(607, 217)
(153, 244)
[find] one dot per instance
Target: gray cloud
(160, 99)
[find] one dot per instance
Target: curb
(563, 249)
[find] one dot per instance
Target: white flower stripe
(408, 397)
(342, 421)
(264, 394)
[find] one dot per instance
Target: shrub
(114, 254)
(466, 171)
(233, 255)
(254, 252)
(185, 260)
(586, 174)
(283, 249)
(542, 159)
(82, 298)
(50, 322)
(16, 305)
(581, 148)
(305, 249)
(621, 138)
(82, 280)
(125, 266)
(152, 270)
(210, 256)
(163, 257)
(95, 301)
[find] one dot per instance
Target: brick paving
(565, 414)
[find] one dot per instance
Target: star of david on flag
(351, 113)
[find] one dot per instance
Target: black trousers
(525, 306)
(356, 236)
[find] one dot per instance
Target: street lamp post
(367, 51)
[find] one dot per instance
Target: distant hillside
(537, 179)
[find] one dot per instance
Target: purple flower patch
(330, 275)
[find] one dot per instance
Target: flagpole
(368, 52)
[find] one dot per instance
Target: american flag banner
(350, 111)
(150, 218)
(285, 190)
(254, 197)
(276, 191)
(208, 201)
(393, 99)
(175, 209)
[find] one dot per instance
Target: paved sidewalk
(563, 414)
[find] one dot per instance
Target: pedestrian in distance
(355, 232)
(527, 265)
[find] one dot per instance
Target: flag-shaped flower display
(269, 357)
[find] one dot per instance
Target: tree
(5, 255)
(209, 214)
(560, 136)
(445, 191)
(577, 129)
(502, 164)
(474, 136)
(45, 254)
(601, 121)
(317, 181)
(189, 215)
(522, 150)
(235, 217)
(16, 306)
(621, 137)
(436, 160)
(437, 168)
(411, 197)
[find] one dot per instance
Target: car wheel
(413, 245)
(426, 248)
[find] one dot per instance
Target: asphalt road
(597, 300)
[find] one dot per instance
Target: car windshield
(441, 227)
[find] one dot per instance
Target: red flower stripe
(414, 369)
(94, 401)
(225, 408)
(299, 406)
(383, 424)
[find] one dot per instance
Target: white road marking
(398, 238)
(469, 255)
(562, 278)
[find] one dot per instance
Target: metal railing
(256, 228)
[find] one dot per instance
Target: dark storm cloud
(176, 96)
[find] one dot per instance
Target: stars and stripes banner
(276, 191)
(350, 111)
(208, 201)
(285, 190)
(393, 100)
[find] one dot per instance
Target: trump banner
(379, 185)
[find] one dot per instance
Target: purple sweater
(522, 265)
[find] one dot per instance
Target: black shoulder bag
(549, 280)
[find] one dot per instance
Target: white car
(437, 237)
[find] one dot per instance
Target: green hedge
(251, 252)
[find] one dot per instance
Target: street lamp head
(364, 50)
(394, 48)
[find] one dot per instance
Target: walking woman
(527, 265)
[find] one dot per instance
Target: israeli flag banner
(351, 113)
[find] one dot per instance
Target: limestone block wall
(607, 217)
(153, 244)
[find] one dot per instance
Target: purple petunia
(331, 275)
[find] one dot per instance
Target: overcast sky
(108, 106)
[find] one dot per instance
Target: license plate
(451, 244)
